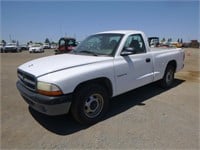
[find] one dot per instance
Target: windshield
(100, 44)
(71, 42)
(36, 45)
(11, 44)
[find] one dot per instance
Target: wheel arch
(172, 63)
(103, 81)
(163, 82)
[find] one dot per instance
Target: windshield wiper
(88, 52)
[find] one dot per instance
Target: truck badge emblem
(30, 65)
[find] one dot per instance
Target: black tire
(168, 78)
(90, 104)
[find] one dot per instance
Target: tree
(169, 40)
(4, 42)
(178, 40)
(163, 40)
(13, 41)
(29, 43)
(47, 41)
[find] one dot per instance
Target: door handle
(148, 60)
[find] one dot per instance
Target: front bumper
(49, 105)
(35, 50)
(10, 49)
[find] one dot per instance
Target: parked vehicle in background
(2, 47)
(12, 47)
(153, 41)
(65, 45)
(195, 44)
(36, 48)
(176, 44)
(54, 46)
(29, 45)
(24, 47)
(46, 46)
(103, 66)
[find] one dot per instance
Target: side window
(136, 42)
(62, 43)
(71, 43)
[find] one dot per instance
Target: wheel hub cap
(169, 77)
(93, 105)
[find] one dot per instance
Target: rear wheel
(90, 104)
(168, 78)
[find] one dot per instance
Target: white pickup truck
(104, 65)
(12, 47)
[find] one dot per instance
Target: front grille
(10, 48)
(28, 80)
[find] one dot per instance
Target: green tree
(163, 40)
(169, 40)
(13, 41)
(47, 41)
(4, 42)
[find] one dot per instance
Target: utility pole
(10, 38)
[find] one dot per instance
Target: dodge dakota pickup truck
(103, 66)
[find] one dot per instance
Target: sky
(37, 20)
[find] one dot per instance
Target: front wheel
(90, 104)
(168, 77)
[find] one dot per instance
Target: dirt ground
(146, 118)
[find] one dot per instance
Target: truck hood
(50, 64)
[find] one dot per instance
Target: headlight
(48, 89)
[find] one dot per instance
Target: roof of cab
(121, 32)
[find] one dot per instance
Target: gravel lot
(146, 118)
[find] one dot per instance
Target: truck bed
(163, 48)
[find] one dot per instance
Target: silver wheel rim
(93, 105)
(169, 77)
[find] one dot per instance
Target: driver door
(136, 69)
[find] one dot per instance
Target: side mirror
(127, 51)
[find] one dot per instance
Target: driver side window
(136, 42)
